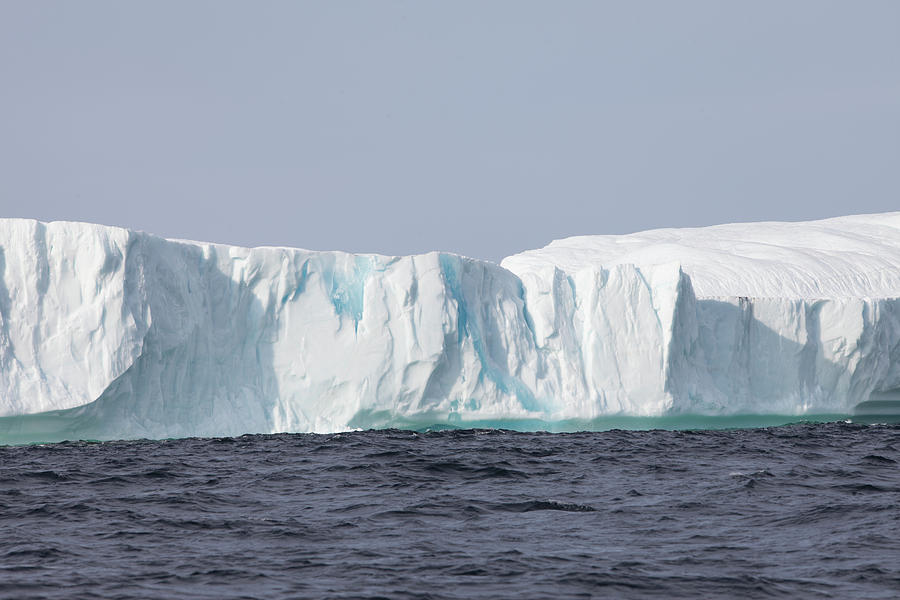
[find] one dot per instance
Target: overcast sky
(483, 128)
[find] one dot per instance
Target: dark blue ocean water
(803, 511)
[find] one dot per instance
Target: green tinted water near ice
(84, 423)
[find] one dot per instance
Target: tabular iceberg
(111, 333)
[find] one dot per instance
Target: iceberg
(110, 333)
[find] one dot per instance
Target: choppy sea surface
(798, 511)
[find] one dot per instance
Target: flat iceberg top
(853, 256)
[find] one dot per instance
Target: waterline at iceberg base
(107, 333)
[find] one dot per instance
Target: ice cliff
(106, 332)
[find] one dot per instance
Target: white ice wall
(165, 337)
(68, 323)
(780, 318)
(179, 338)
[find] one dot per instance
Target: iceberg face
(766, 318)
(106, 332)
(156, 338)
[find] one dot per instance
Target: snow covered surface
(106, 332)
(856, 256)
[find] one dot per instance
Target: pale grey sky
(483, 128)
